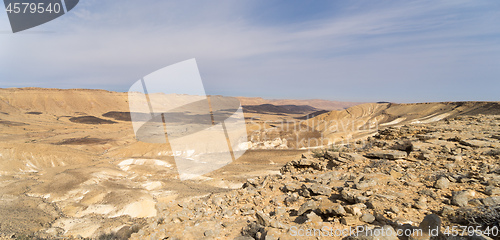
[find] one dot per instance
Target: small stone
(304, 192)
(491, 201)
(387, 154)
(350, 195)
(421, 203)
(375, 205)
(475, 143)
(309, 205)
(313, 218)
(319, 189)
(430, 222)
(395, 209)
(367, 218)
(442, 183)
(447, 211)
(209, 233)
(272, 234)
(327, 207)
(475, 202)
(423, 137)
(304, 162)
(349, 220)
(366, 184)
(291, 187)
(492, 191)
(353, 157)
(460, 199)
(354, 210)
(262, 219)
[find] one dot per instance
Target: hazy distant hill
(316, 103)
(286, 109)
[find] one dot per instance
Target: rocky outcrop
(427, 186)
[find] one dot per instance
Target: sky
(365, 51)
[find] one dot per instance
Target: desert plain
(71, 167)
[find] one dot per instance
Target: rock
(367, 218)
(430, 222)
(304, 192)
(289, 200)
(387, 154)
(209, 233)
(395, 209)
(313, 218)
(366, 184)
(309, 205)
(493, 152)
(304, 162)
(291, 187)
(493, 180)
(353, 157)
(491, 201)
(327, 207)
(492, 191)
(460, 199)
(442, 183)
(262, 219)
(350, 195)
(447, 211)
(319, 189)
(421, 203)
(272, 234)
(356, 211)
(475, 143)
(375, 205)
(423, 137)
(349, 220)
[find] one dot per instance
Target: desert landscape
(71, 167)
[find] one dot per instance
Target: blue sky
(401, 51)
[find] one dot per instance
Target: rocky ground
(435, 176)
(403, 179)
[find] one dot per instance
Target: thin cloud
(382, 48)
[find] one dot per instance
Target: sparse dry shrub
(483, 216)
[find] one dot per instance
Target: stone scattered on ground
(407, 178)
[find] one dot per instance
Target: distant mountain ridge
(316, 103)
(277, 109)
(98, 102)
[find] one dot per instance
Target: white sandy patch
(73, 227)
(96, 209)
(145, 207)
(395, 121)
(152, 185)
(431, 118)
(125, 164)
